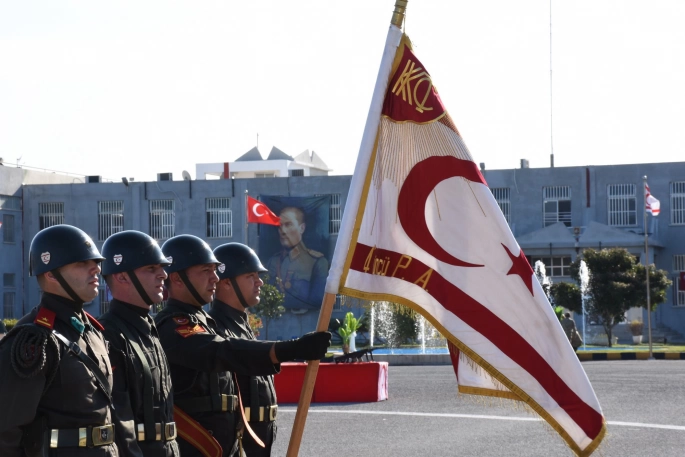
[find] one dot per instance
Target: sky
(136, 88)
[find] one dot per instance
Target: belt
(266, 413)
(204, 404)
(91, 436)
(169, 432)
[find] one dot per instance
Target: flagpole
(649, 311)
(247, 236)
(332, 284)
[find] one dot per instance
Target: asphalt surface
(643, 402)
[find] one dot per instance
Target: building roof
(311, 159)
(277, 154)
(250, 156)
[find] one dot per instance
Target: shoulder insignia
(45, 318)
(314, 253)
(181, 320)
(186, 330)
(95, 322)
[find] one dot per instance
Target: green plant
(349, 325)
(270, 305)
(636, 327)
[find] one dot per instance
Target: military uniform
(142, 393)
(200, 361)
(258, 392)
(53, 404)
(301, 274)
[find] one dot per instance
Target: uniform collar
(296, 250)
(187, 308)
(126, 311)
(227, 309)
(64, 309)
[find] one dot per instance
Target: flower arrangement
(636, 327)
(349, 326)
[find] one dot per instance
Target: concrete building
(554, 214)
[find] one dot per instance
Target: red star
(521, 267)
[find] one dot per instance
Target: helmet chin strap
(139, 287)
(67, 288)
(238, 293)
(191, 288)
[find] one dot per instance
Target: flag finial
(398, 13)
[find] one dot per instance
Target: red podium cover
(335, 383)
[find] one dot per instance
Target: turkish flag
(258, 213)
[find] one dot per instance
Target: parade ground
(643, 402)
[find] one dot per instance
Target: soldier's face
(204, 279)
(152, 278)
(290, 231)
(83, 278)
(250, 286)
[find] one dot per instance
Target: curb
(585, 357)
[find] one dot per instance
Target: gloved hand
(312, 346)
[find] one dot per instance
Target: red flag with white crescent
(422, 229)
(258, 213)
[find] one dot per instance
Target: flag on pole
(422, 229)
(258, 213)
(652, 205)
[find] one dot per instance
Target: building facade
(554, 213)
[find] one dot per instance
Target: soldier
(143, 399)
(300, 273)
(238, 289)
(55, 375)
(206, 401)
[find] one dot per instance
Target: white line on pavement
(472, 416)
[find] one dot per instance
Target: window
(621, 205)
(110, 218)
(219, 217)
(264, 175)
(339, 302)
(678, 203)
(296, 172)
(334, 213)
(8, 202)
(556, 205)
(678, 266)
(50, 214)
(501, 195)
(104, 301)
(554, 266)
(162, 219)
(8, 235)
(8, 304)
(8, 280)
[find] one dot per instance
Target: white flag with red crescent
(422, 228)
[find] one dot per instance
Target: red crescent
(254, 210)
(420, 182)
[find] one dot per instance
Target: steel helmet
(129, 250)
(185, 251)
(237, 259)
(60, 245)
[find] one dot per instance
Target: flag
(422, 229)
(652, 205)
(258, 213)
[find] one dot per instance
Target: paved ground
(643, 402)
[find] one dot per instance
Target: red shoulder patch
(95, 322)
(180, 320)
(186, 330)
(45, 318)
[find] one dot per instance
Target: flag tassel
(309, 381)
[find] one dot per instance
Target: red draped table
(335, 382)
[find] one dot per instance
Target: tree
(617, 283)
(270, 305)
(567, 295)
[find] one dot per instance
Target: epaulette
(94, 322)
(314, 253)
(30, 346)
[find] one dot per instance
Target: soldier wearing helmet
(238, 289)
(207, 403)
(56, 379)
(134, 271)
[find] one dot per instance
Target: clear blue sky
(132, 88)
